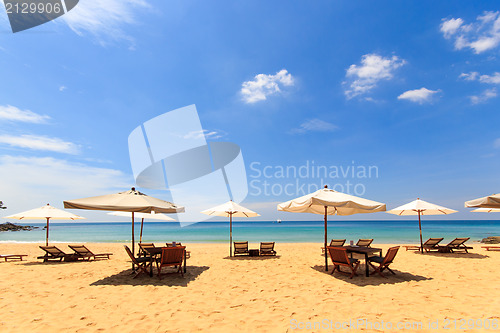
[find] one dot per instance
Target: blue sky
(410, 88)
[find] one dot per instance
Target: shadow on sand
(374, 279)
(453, 255)
(175, 279)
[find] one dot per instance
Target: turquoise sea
(286, 232)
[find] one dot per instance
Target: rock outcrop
(14, 227)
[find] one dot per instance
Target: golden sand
(218, 294)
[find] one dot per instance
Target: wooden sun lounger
(53, 253)
(458, 244)
(429, 245)
(491, 248)
(81, 251)
(267, 249)
(241, 248)
(13, 256)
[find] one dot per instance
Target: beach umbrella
(230, 209)
(330, 202)
(421, 207)
(46, 212)
(486, 210)
(491, 201)
(128, 201)
(144, 216)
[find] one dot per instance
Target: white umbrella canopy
(143, 216)
(486, 210)
(127, 201)
(46, 212)
(421, 207)
(230, 209)
(491, 201)
(330, 202)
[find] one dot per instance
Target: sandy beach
(217, 294)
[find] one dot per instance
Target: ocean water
(384, 232)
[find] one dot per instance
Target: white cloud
(9, 112)
(472, 76)
(493, 79)
(373, 69)
(33, 182)
(315, 125)
(475, 76)
(418, 95)
(203, 134)
(450, 27)
(62, 88)
(264, 85)
(480, 36)
(36, 142)
(104, 20)
(484, 96)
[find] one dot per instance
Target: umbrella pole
(47, 236)
(142, 225)
(326, 250)
(230, 235)
(420, 228)
(133, 240)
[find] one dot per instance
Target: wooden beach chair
(334, 243)
(82, 251)
(171, 256)
(53, 253)
(241, 248)
(142, 249)
(384, 262)
(142, 263)
(267, 249)
(457, 245)
(429, 245)
(339, 258)
(13, 256)
(188, 253)
(364, 242)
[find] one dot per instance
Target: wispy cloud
(480, 36)
(473, 76)
(203, 134)
(35, 142)
(314, 125)
(264, 85)
(484, 96)
(62, 88)
(104, 20)
(12, 113)
(373, 68)
(420, 96)
(35, 181)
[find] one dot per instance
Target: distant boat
(278, 221)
